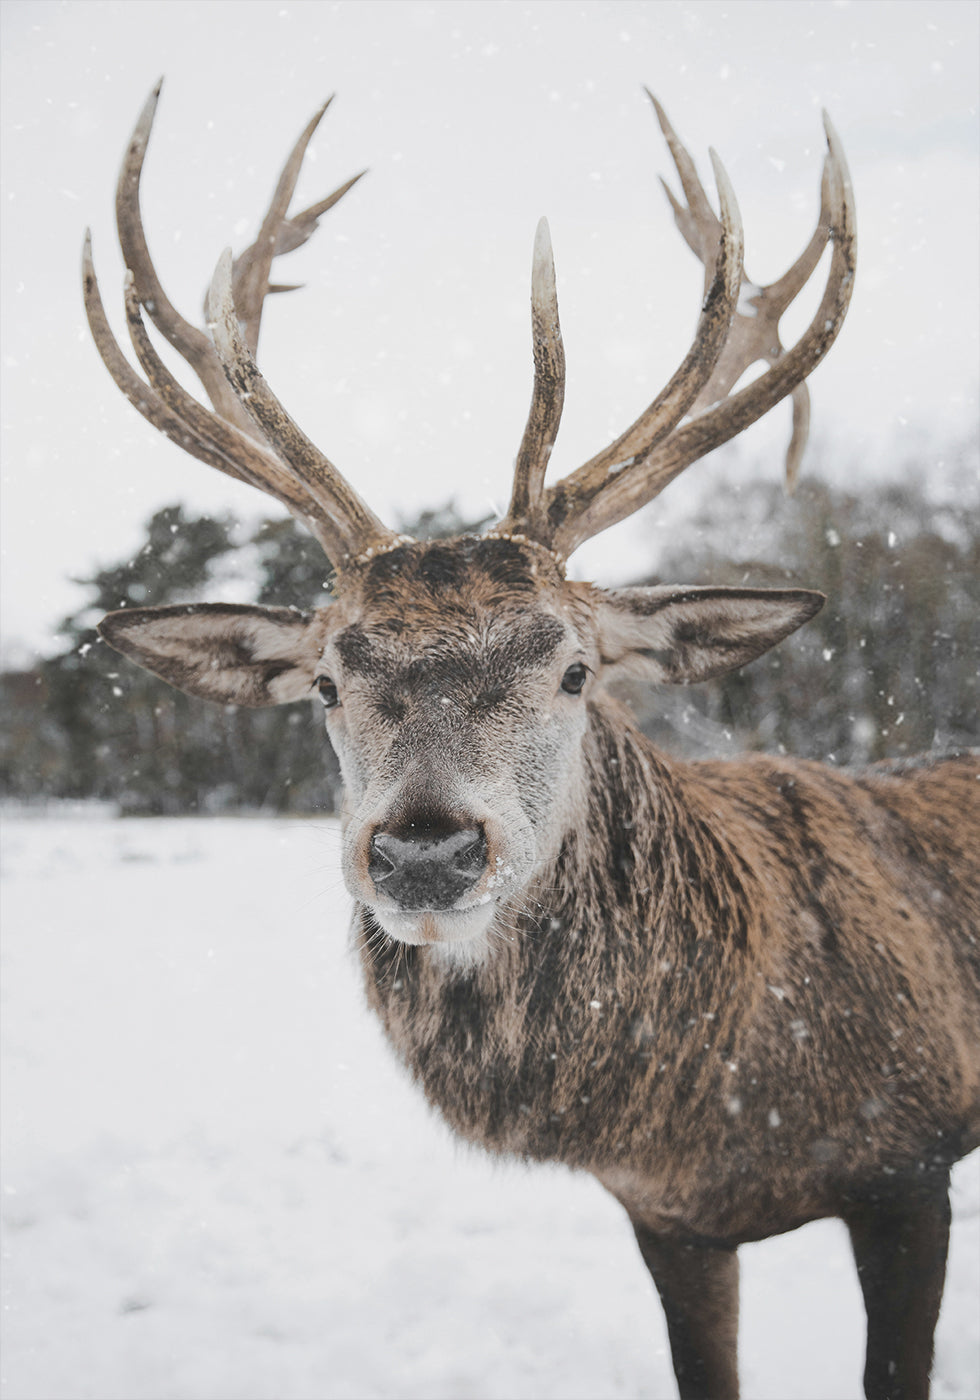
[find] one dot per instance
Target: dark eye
(574, 678)
(328, 692)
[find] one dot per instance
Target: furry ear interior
(682, 635)
(235, 655)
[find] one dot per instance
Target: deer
(742, 994)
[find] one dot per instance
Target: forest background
(887, 669)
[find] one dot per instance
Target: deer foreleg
(900, 1240)
(698, 1287)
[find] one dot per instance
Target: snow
(220, 1185)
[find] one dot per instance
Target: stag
(743, 995)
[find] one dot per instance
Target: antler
(248, 435)
(738, 326)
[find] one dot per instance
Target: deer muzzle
(427, 868)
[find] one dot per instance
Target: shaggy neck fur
(607, 951)
(668, 1006)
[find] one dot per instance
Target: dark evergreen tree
(292, 569)
(887, 668)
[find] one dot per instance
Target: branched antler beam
(755, 329)
(636, 468)
(279, 234)
(249, 435)
(234, 437)
(358, 526)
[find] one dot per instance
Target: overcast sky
(407, 357)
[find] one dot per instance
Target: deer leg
(698, 1287)
(900, 1242)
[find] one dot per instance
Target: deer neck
(634, 924)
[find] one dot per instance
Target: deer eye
(328, 692)
(574, 678)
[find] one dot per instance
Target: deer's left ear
(681, 635)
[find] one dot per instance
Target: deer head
(457, 676)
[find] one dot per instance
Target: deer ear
(681, 635)
(234, 655)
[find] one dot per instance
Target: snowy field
(219, 1186)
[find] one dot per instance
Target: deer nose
(427, 868)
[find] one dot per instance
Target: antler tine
(571, 497)
(295, 231)
(786, 288)
(262, 448)
(234, 452)
(299, 227)
(697, 221)
(779, 294)
(140, 395)
(547, 398)
(279, 234)
(169, 408)
(755, 333)
(799, 436)
(644, 479)
(189, 342)
(354, 522)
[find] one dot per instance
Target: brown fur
(733, 1000)
(743, 995)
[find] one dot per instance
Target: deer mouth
(433, 927)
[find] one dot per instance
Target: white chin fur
(461, 934)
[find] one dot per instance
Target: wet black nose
(427, 867)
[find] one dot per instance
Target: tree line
(888, 668)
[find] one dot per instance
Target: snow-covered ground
(219, 1186)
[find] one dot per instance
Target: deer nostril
(427, 868)
(469, 852)
(380, 866)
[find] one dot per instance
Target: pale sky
(407, 357)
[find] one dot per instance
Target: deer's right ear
(235, 655)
